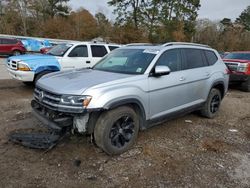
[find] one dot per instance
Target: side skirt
(173, 115)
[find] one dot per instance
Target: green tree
(244, 18)
(160, 19)
(104, 26)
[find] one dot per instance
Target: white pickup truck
(29, 68)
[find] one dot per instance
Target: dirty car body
(135, 77)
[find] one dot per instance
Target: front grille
(12, 64)
(232, 66)
(47, 98)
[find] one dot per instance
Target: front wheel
(16, 52)
(116, 130)
(246, 85)
(212, 105)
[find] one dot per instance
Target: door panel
(196, 73)
(97, 52)
(167, 93)
(76, 58)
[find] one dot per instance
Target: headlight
(75, 100)
(22, 66)
(243, 67)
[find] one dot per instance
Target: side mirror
(161, 70)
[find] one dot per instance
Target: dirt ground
(186, 152)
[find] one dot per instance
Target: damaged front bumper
(58, 120)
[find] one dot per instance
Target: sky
(212, 9)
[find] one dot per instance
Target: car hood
(75, 82)
(28, 57)
(236, 61)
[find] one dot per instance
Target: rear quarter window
(211, 57)
(112, 47)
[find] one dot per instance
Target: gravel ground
(186, 152)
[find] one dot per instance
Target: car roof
(241, 52)
(159, 47)
(93, 43)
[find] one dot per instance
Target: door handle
(182, 78)
(87, 61)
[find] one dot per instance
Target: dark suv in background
(9, 46)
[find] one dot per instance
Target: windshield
(242, 56)
(59, 50)
(127, 61)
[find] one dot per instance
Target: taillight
(248, 71)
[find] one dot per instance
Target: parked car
(10, 46)
(45, 50)
(239, 65)
(29, 68)
(131, 89)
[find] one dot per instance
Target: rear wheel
(212, 105)
(116, 130)
(246, 85)
(16, 52)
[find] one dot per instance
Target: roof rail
(185, 43)
(139, 44)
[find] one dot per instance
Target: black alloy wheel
(215, 104)
(122, 131)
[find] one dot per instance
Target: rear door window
(211, 57)
(79, 51)
(194, 58)
(8, 41)
(98, 50)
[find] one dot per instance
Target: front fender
(47, 68)
(119, 95)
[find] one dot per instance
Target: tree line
(155, 21)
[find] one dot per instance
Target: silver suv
(131, 89)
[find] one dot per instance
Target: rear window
(8, 41)
(194, 58)
(211, 57)
(112, 47)
(98, 51)
(241, 56)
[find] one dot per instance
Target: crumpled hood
(37, 61)
(75, 82)
(28, 57)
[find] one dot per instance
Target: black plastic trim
(173, 115)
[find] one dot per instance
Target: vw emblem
(41, 95)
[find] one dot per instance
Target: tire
(245, 86)
(39, 75)
(116, 130)
(28, 83)
(16, 52)
(212, 105)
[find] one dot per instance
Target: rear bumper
(238, 78)
(25, 76)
